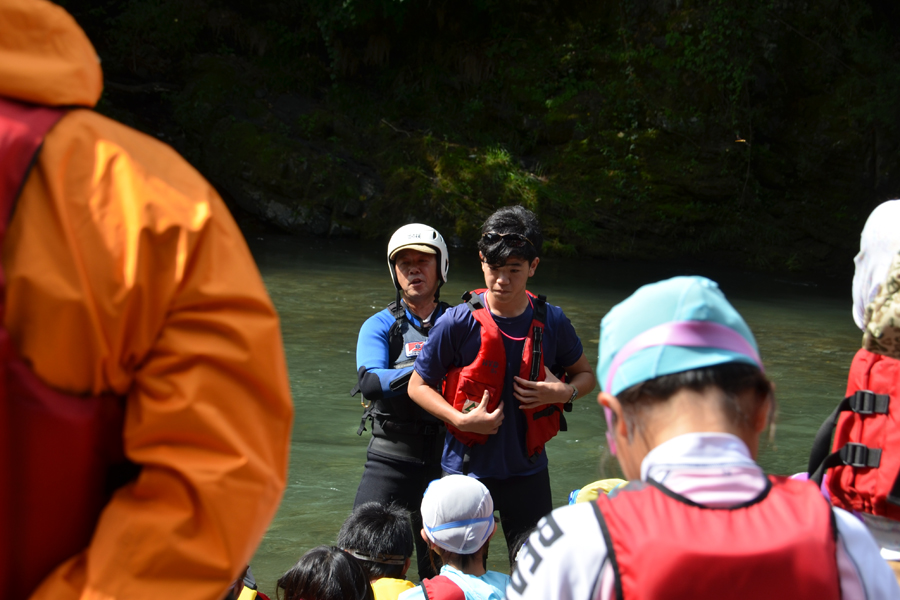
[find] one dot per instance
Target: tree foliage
(760, 133)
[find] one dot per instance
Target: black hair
(380, 531)
(325, 573)
(734, 379)
(511, 219)
(517, 544)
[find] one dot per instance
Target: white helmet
(422, 238)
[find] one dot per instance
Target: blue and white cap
(458, 513)
(671, 326)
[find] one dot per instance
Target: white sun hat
(458, 513)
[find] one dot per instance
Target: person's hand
(532, 394)
(479, 420)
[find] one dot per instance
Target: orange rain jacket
(126, 274)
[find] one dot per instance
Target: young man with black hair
(380, 537)
(500, 357)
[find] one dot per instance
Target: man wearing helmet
(404, 454)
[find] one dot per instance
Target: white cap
(458, 513)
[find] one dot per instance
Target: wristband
(573, 396)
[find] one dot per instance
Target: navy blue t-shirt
(454, 342)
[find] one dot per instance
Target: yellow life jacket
(388, 588)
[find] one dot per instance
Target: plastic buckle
(863, 402)
(860, 456)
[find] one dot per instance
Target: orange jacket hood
(45, 57)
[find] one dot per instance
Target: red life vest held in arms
(662, 545)
(59, 453)
(465, 386)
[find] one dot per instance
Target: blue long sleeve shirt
(373, 348)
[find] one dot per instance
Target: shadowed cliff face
(755, 134)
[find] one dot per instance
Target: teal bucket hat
(671, 326)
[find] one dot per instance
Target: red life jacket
(57, 451)
(779, 545)
(865, 458)
(465, 386)
(442, 587)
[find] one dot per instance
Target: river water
(325, 289)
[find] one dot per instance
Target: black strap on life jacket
(863, 403)
(540, 315)
(395, 338)
(537, 346)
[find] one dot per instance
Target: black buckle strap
(548, 410)
(367, 415)
(537, 350)
(866, 402)
(852, 455)
(861, 402)
(860, 456)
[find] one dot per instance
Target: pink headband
(696, 334)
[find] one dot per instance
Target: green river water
(325, 289)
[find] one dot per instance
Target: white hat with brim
(458, 514)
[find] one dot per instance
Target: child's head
(676, 356)
(380, 537)
(325, 573)
(458, 519)
(510, 231)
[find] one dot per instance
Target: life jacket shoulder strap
(540, 308)
(24, 127)
(397, 310)
(442, 587)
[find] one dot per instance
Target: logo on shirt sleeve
(414, 348)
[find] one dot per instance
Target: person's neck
(475, 566)
(512, 308)
(422, 308)
(688, 411)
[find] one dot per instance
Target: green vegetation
(755, 133)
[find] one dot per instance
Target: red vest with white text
(465, 386)
(59, 453)
(781, 545)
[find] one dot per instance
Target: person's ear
(406, 566)
(425, 537)
(494, 530)
(609, 401)
(533, 266)
(764, 415)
